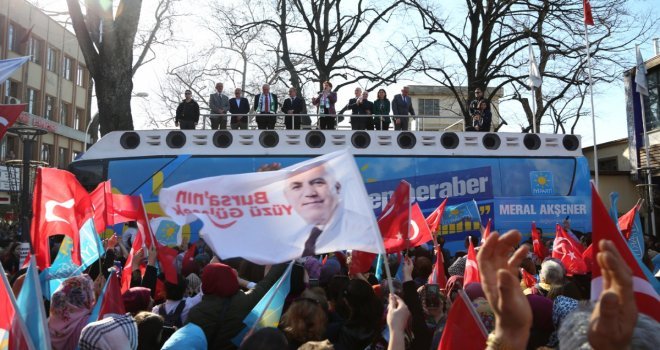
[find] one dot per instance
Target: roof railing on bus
(342, 121)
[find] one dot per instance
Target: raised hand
(615, 314)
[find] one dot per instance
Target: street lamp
(96, 116)
(27, 134)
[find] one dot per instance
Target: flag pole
(648, 165)
(533, 110)
(591, 94)
(270, 300)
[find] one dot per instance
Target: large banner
(313, 207)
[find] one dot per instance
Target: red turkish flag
(112, 301)
(61, 206)
(360, 262)
(528, 278)
(102, 203)
(588, 17)
(471, 267)
(646, 297)
(540, 250)
(588, 256)
(435, 218)
(566, 250)
(12, 328)
(438, 276)
(8, 116)
(486, 233)
(419, 233)
(394, 221)
(463, 329)
(627, 220)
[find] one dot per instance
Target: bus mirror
(315, 139)
(449, 140)
(571, 142)
(406, 140)
(491, 141)
(129, 140)
(532, 141)
(175, 139)
(269, 139)
(360, 139)
(222, 139)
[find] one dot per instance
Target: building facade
(434, 101)
(54, 84)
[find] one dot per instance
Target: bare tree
(107, 38)
(490, 48)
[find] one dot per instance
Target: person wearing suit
(382, 111)
(356, 122)
(292, 107)
(265, 104)
(402, 106)
(219, 104)
(326, 102)
(239, 107)
(314, 194)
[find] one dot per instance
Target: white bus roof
(152, 143)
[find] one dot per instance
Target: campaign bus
(513, 178)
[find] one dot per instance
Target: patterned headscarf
(193, 286)
(113, 332)
(70, 306)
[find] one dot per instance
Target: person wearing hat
(224, 305)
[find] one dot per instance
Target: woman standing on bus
(382, 110)
(326, 102)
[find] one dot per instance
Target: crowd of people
(328, 307)
(365, 114)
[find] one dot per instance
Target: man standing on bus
(266, 105)
(219, 104)
(401, 107)
(239, 107)
(187, 114)
(292, 107)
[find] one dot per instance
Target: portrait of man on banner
(313, 207)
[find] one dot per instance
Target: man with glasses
(187, 114)
(474, 104)
(402, 107)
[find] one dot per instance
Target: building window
(652, 102)
(12, 42)
(51, 60)
(429, 106)
(47, 153)
(63, 158)
(64, 113)
(33, 101)
(11, 92)
(76, 120)
(608, 164)
(49, 111)
(80, 76)
(66, 68)
(75, 155)
(34, 49)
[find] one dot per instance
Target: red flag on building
(471, 267)
(566, 251)
(463, 329)
(435, 218)
(588, 17)
(540, 250)
(438, 275)
(8, 116)
(102, 203)
(61, 206)
(648, 301)
(394, 221)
